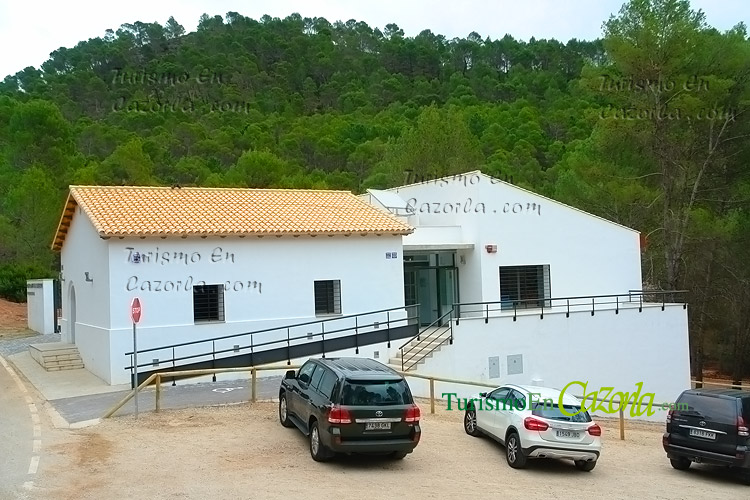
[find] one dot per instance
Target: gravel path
(12, 344)
(241, 451)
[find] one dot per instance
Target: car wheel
(680, 463)
(470, 422)
(514, 452)
(284, 412)
(399, 455)
(585, 466)
(318, 451)
(745, 476)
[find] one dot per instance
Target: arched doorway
(72, 314)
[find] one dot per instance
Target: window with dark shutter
(524, 286)
(208, 303)
(328, 297)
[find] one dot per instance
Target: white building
(508, 286)
(206, 263)
(531, 291)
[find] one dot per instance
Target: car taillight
(533, 424)
(338, 415)
(412, 414)
(594, 430)
(669, 416)
(742, 429)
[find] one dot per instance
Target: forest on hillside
(647, 126)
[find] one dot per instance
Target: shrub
(13, 279)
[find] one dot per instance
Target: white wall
(587, 255)
(83, 251)
(40, 306)
(605, 350)
(284, 269)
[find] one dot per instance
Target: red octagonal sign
(135, 310)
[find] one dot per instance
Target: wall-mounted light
(491, 248)
(89, 278)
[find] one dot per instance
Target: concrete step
(410, 362)
(67, 367)
(63, 362)
(56, 356)
(61, 357)
(418, 351)
(425, 344)
(422, 349)
(61, 368)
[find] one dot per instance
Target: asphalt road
(182, 395)
(16, 438)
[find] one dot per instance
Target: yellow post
(253, 384)
(622, 424)
(158, 391)
(432, 395)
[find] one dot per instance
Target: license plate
(567, 434)
(702, 434)
(378, 426)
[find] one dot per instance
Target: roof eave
(394, 232)
(64, 224)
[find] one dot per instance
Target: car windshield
(375, 393)
(553, 412)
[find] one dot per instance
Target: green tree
(439, 144)
(128, 164)
(32, 207)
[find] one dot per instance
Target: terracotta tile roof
(165, 211)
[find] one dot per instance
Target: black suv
(710, 426)
(350, 405)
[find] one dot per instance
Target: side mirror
(290, 374)
(483, 394)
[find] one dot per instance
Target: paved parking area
(185, 394)
(241, 451)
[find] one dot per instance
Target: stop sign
(135, 310)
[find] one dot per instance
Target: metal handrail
(288, 340)
(425, 328)
(425, 353)
(440, 330)
(337, 318)
(549, 302)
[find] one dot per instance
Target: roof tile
(164, 211)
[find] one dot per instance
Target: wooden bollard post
(622, 424)
(253, 384)
(158, 391)
(432, 395)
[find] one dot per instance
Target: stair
(56, 356)
(422, 349)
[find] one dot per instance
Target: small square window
(327, 297)
(208, 303)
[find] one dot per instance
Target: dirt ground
(13, 320)
(242, 452)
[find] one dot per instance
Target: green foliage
(13, 279)
(305, 103)
(31, 212)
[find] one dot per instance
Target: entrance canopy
(429, 238)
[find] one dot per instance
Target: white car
(530, 423)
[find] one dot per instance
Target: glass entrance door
(428, 295)
(431, 280)
(446, 291)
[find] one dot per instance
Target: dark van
(350, 405)
(710, 426)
